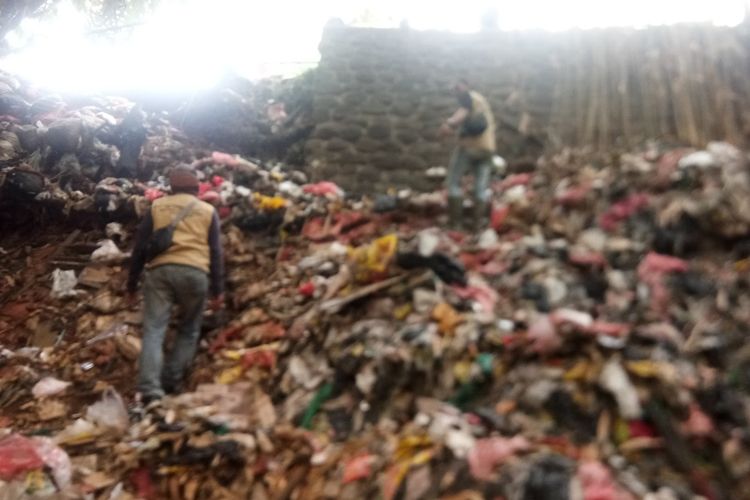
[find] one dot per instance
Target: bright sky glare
(189, 44)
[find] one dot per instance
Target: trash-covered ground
(590, 344)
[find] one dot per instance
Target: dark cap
(183, 178)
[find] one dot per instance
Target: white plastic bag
(48, 386)
(614, 379)
(109, 412)
(63, 284)
(108, 253)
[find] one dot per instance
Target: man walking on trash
(182, 275)
(475, 125)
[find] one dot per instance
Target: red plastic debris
(18, 455)
(515, 180)
(323, 188)
(152, 194)
(652, 270)
(217, 180)
(141, 480)
(225, 336)
(210, 197)
(622, 210)
(698, 423)
(307, 289)
(498, 216)
(204, 187)
(316, 228)
(266, 332)
(359, 467)
(573, 196)
(225, 212)
(262, 358)
(639, 428)
(491, 452)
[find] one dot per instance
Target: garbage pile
(106, 157)
(591, 343)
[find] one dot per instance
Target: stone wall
(379, 95)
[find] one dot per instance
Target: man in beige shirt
(474, 125)
(184, 274)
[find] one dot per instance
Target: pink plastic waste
(18, 454)
(224, 159)
(573, 196)
(515, 180)
(217, 180)
(622, 210)
(544, 336)
(152, 194)
(498, 216)
(652, 271)
(698, 423)
(357, 468)
(204, 187)
(485, 296)
(210, 197)
(597, 482)
(56, 459)
(654, 263)
(488, 453)
(323, 188)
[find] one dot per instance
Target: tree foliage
(101, 14)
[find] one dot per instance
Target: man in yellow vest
(475, 126)
(182, 275)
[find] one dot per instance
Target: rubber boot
(481, 209)
(455, 212)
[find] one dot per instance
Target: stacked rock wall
(379, 95)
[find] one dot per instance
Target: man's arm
(458, 117)
(138, 258)
(217, 256)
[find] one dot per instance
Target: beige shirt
(486, 141)
(190, 240)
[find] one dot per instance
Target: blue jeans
(479, 165)
(165, 286)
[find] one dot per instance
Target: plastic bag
(544, 336)
(56, 459)
(108, 253)
(357, 468)
(63, 284)
(18, 454)
(48, 386)
(615, 379)
(374, 258)
(490, 452)
(324, 188)
(109, 412)
(269, 203)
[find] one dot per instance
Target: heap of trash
(103, 158)
(590, 343)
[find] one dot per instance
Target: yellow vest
(190, 240)
(484, 143)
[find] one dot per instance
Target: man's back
(190, 243)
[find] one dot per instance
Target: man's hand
(216, 303)
(445, 130)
